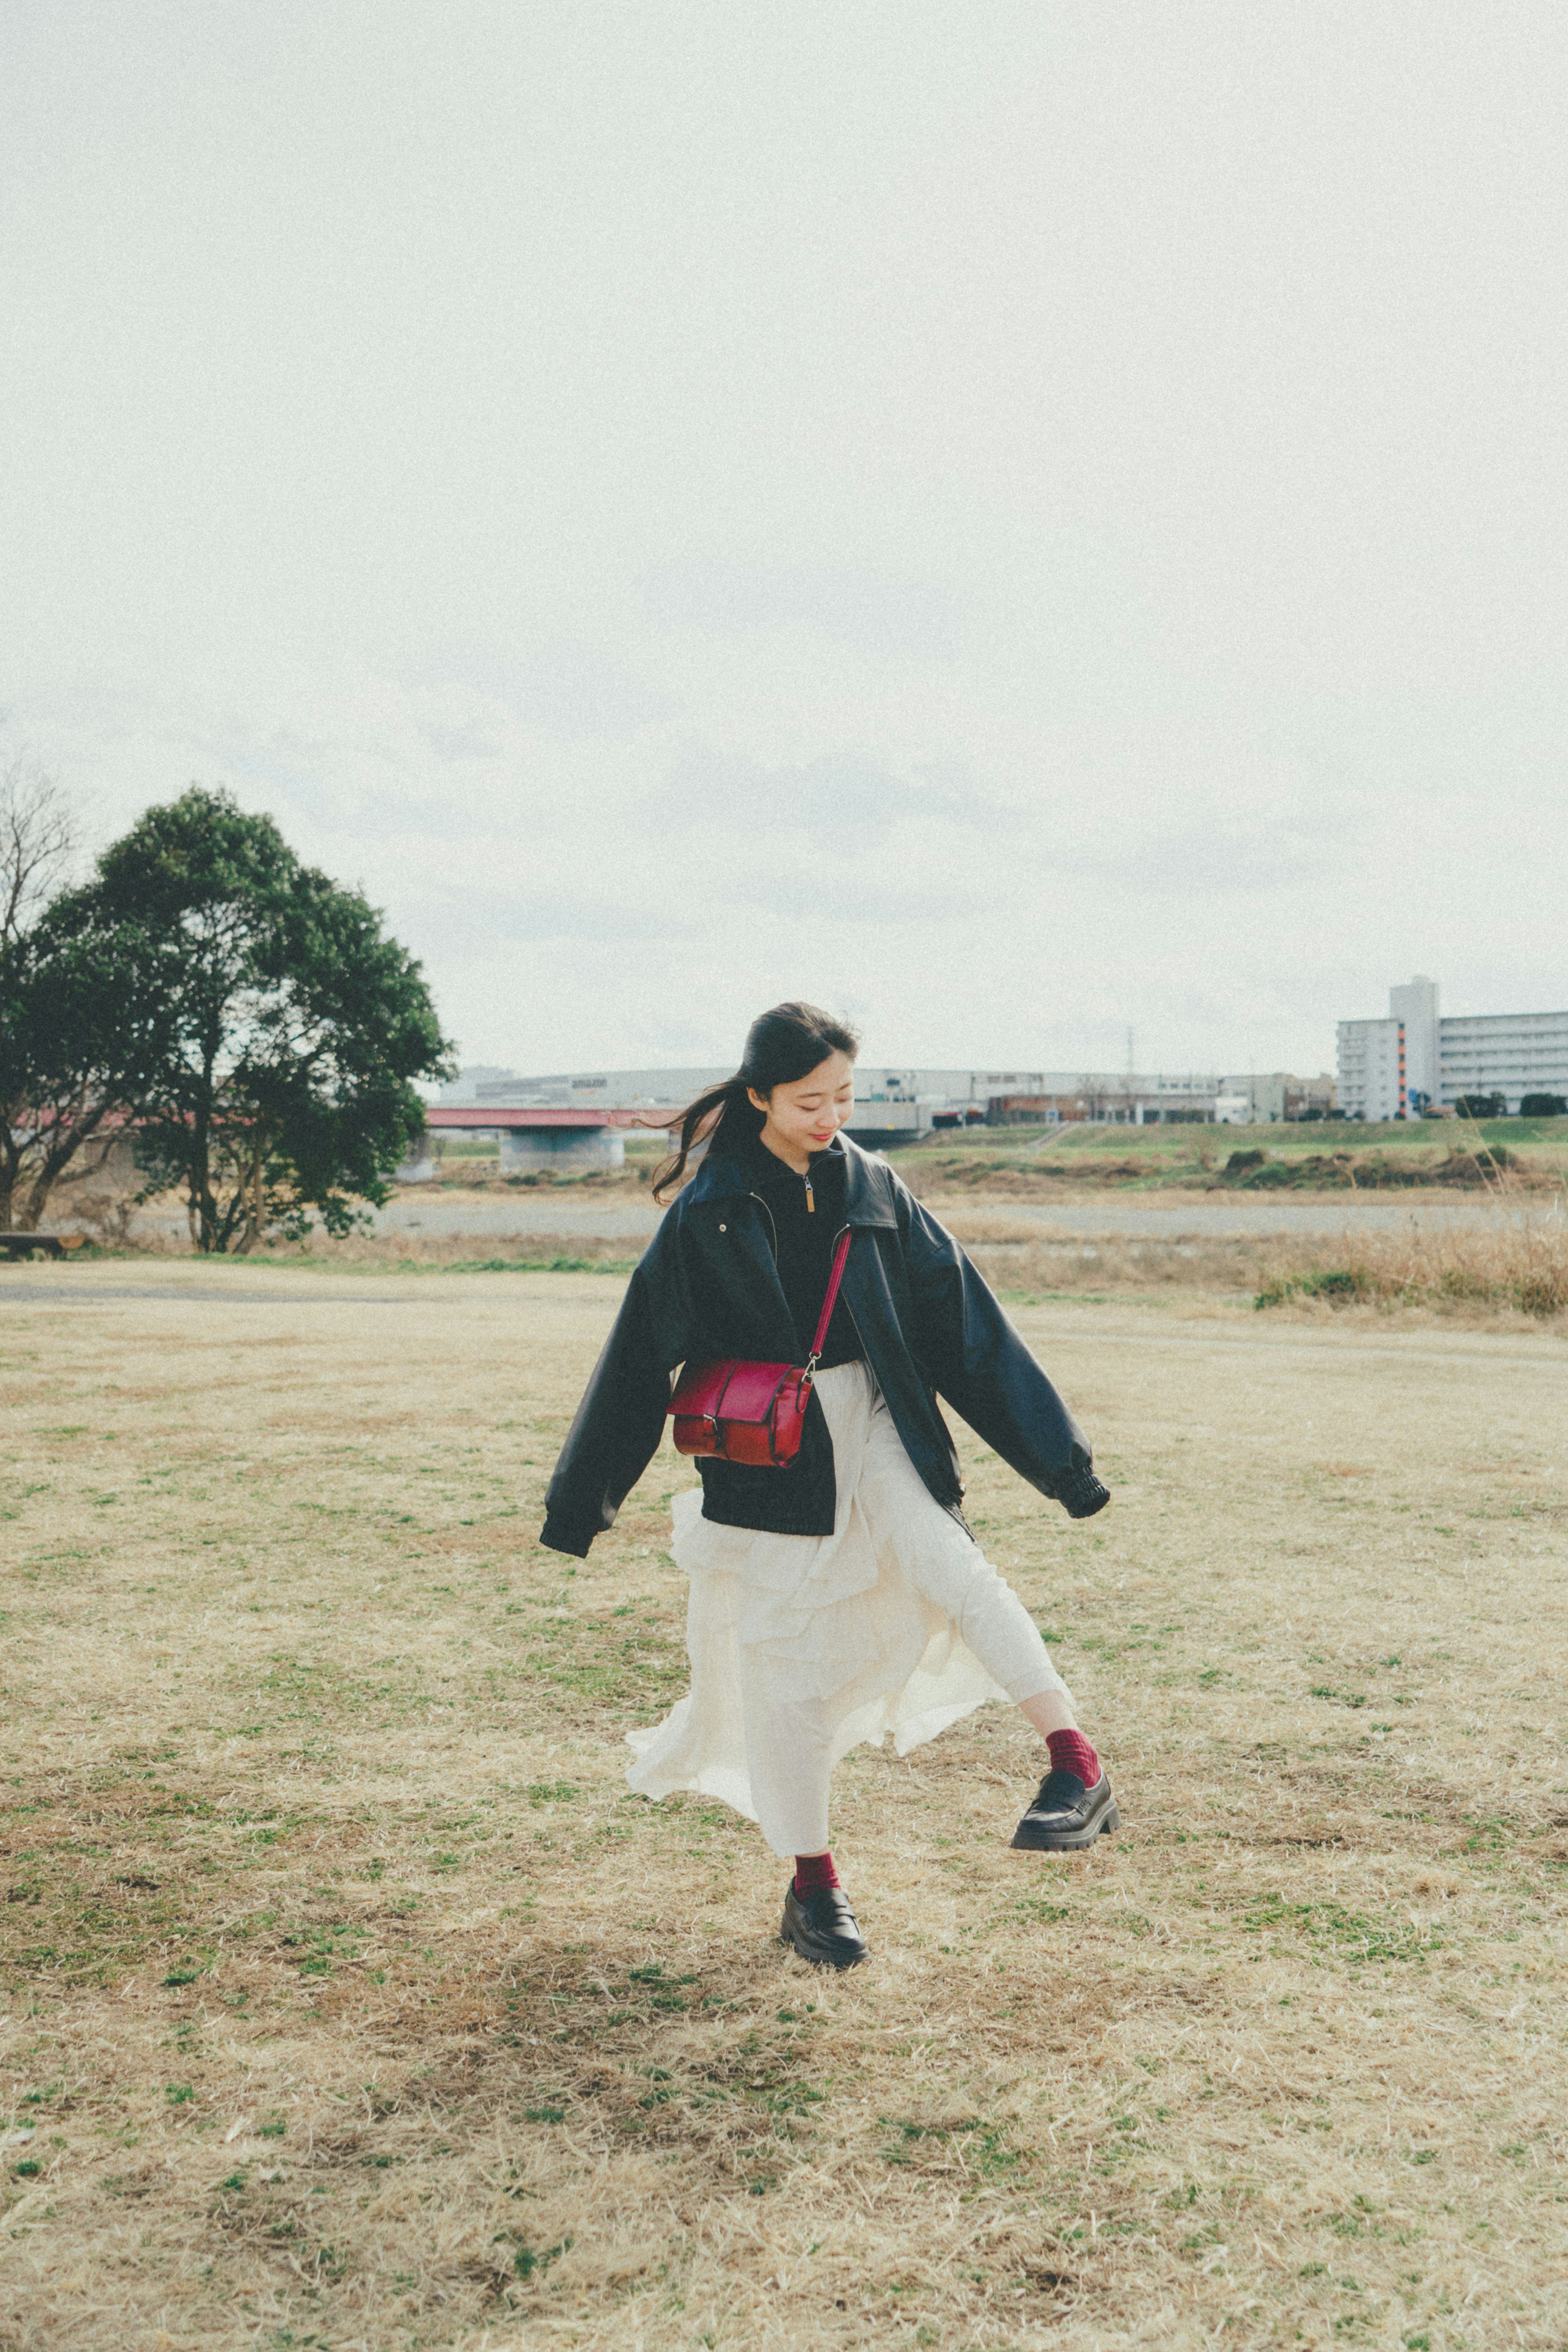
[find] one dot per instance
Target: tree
(37, 843)
(285, 1026)
(1544, 1107)
(1481, 1106)
(68, 1030)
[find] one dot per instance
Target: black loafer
(824, 1928)
(1066, 1816)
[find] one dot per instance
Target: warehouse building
(580, 1117)
(890, 1104)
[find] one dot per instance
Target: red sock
(813, 1872)
(1070, 1752)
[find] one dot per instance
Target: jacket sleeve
(619, 1423)
(978, 1363)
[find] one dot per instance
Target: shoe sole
(823, 1960)
(1070, 1840)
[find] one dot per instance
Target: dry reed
(536, 1253)
(1515, 1262)
(540, 1253)
(1518, 1263)
(1024, 1262)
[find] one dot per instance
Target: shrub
(1475, 1167)
(1544, 1107)
(1336, 1285)
(1482, 1106)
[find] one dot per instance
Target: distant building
(586, 1089)
(465, 1087)
(1415, 1004)
(1420, 1057)
(1264, 1097)
(1253, 1100)
(1311, 1097)
(1372, 1069)
(1508, 1053)
(892, 1104)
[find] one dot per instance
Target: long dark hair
(781, 1046)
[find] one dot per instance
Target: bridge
(542, 1136)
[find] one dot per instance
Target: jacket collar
(868, 1182)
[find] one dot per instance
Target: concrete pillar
(560, 1150)
(418, 1167)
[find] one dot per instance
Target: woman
(843, 1597)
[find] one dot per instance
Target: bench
(17, 1245)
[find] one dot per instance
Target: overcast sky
(1019, 522)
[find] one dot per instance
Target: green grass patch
(1349, 1935)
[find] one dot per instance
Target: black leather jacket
(927, 1321)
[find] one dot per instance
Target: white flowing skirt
(803, 1646)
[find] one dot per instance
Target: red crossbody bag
(752, 1412)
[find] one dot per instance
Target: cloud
(568, 688)
(1201, 862)
(843, 798)
(492, 918)
(891, 619)
(845, 899)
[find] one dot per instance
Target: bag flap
(752, 1388)
(729, 1389)
(700, 1387)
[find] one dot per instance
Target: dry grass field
(352, 2001)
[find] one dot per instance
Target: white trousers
(802, 1646)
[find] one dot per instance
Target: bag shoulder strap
(832, 1300)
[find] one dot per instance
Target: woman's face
(806, 1113)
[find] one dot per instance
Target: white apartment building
(1509, 1053)
(1372, 1069)
(1437, 1057)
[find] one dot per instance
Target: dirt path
(352, 1999)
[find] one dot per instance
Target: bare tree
(39, 843)
(55, 1122)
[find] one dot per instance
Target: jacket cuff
(1080, 1494)
(557, 1536)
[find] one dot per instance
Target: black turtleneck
(803, 1241)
